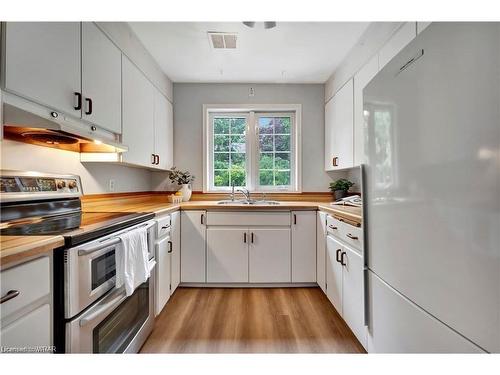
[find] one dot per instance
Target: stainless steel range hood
(28, 122)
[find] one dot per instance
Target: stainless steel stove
(90, 314)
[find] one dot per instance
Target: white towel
(131, 256)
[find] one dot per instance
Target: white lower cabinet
(344, 276)
(270, 255)
(227, 255)
(334, 273)
(353, 293)
(163, 272)
(303, 246)
(30, 330)
(321, 250)
(193, 253)
(175, 237)
(26, 309)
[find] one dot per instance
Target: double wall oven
(91, 315)
(98, 317)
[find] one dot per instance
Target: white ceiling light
(267, 24)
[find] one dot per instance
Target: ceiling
(292, 52)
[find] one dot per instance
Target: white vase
(186, 192)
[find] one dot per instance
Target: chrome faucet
(246, 193)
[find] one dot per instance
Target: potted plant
(340, 187)
(183, 179)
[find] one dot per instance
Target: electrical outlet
(251, 92)
(111, 185)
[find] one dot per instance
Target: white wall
(188, 126)
(95, 176)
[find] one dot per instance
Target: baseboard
(249, 285)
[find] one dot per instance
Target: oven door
(116, 323)
(90, 270)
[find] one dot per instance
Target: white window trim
(252, 168)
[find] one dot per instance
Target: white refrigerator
(432, 194)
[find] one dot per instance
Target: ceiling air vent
(220, 40)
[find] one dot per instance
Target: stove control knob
(61, 184)
(72, 184)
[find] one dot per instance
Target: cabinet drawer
(32, 329)
(346, 232)
(163, 226)
(31, 280)
(249, 218)
(351, 235)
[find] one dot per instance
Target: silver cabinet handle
(10, 294)
(351, 236)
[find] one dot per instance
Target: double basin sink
(250, 202)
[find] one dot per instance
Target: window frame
(252, 151)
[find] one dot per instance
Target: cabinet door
(101, 79)
(163, 274)
(339, 122)
(163, 128)
(270, 255)
(352, 294)
(398, 41)
(321, 251)
(42, 63)
(361, 79)
(175, 237)
(193, 254)
(227, 255)
(137, 116)
(333, 273)
(303, 246)
(32, 329)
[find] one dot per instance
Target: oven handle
(110, 242)
(115, 301)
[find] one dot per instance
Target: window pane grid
(274, 150)
(229, 151)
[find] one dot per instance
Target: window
(255, 149)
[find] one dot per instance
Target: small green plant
(340, 184)
(180, 177)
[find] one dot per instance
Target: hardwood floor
(250, 320)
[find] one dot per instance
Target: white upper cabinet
(101, 79)
(397, 42)
(303, 246)
(42, 63)
(339, 122)
(361, 79)
(137, 116)
(163, 131)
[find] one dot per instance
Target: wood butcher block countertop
(16, 248)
